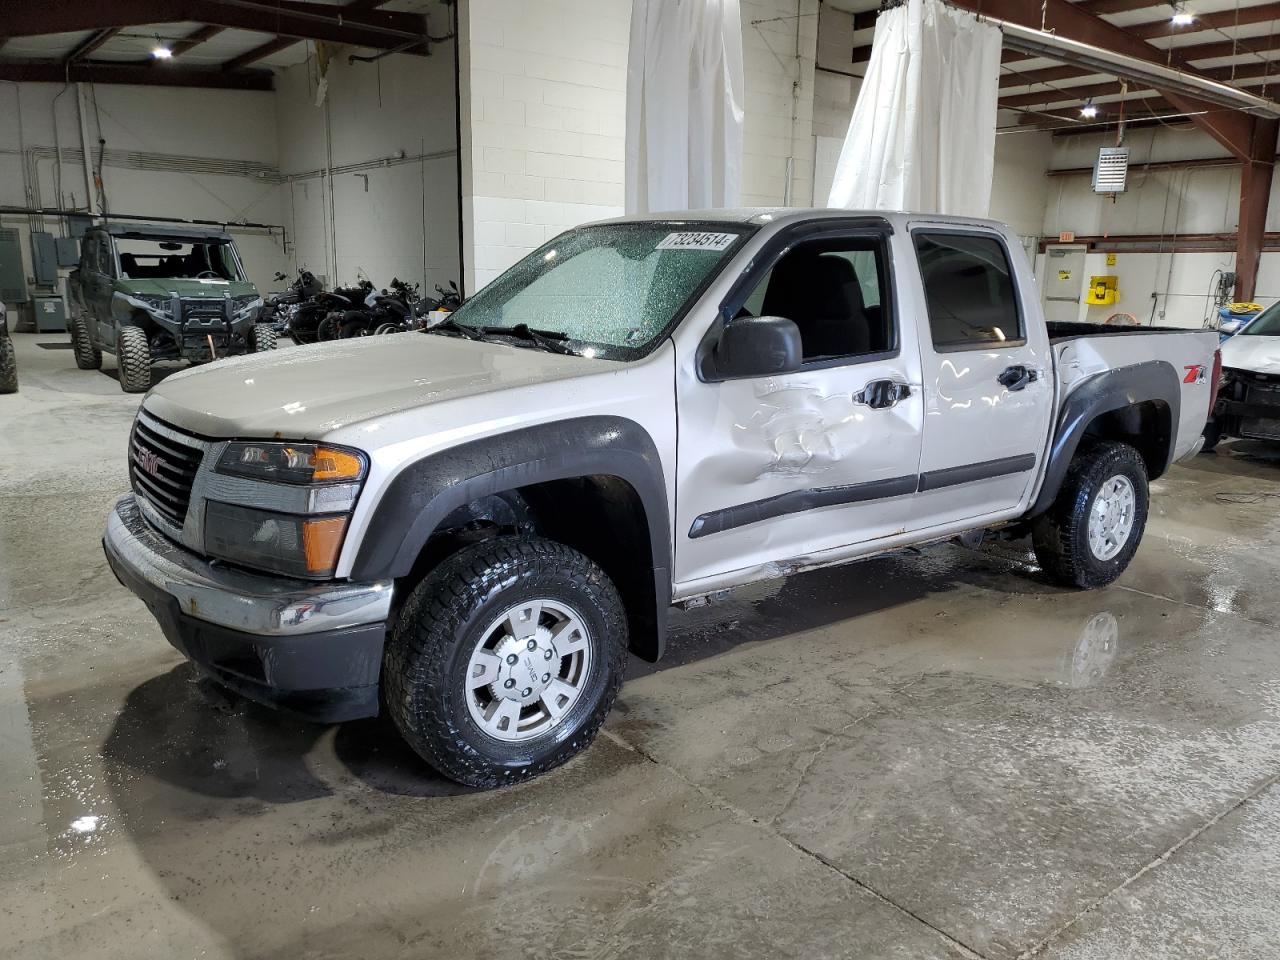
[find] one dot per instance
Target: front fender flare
(426, 491)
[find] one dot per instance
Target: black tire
(449, 614)
(1212, 435)
(1061, 536)
(133, 360)
(8, 366)
(328, 329)
(88, 357)
(382, 329)
(262, 338)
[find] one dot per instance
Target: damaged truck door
(759, 450)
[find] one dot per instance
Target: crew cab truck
(472, 525)
(150, 292)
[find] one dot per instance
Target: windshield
(610, 291)
(163, 258)
(1265, 324)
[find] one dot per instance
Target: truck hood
(1256, 354)
(307, 392)
(165, 287)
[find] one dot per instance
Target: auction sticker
(697, 241)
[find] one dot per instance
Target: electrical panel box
(1102, 291)
(68, 251)
(44, 258)
(13, 278)
(1111, 171)
(50, 314)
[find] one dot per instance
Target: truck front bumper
(311, 648)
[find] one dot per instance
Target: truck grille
(162, 467)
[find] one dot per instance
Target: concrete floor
(930, 755)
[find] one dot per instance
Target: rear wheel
(262, 337)
(505, 660)
(133, 360)
(328, 329)
(1089, 535)
(8, 366)
(384, 328)
(88, 357)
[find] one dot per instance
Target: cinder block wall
(543, 101)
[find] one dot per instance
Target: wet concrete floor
(935, 754)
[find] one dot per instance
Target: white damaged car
(1248, 404)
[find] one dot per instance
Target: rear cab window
(970, 291)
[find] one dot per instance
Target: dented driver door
(782, 471)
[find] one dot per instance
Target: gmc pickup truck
(472, 525)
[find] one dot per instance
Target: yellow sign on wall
(1111, 259)
(1064, 274)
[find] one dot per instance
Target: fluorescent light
(1182, 19)
(161, 52)
(1089, 111)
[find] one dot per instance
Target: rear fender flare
(1100, 394)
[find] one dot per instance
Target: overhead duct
(1038, 43)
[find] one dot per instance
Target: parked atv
(8, 362)
(148, 293)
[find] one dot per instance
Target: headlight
(154, 300)
(280, 542)
(304, 463)
(246, 303)
(303, 536)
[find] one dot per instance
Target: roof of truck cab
(762, 216)
(172, 231)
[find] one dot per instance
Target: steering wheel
(207, 273)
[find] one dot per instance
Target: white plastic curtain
(684, 105)
(922, 137)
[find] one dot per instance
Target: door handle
(882, 394)
(1017, 377)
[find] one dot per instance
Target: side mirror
(757, 347)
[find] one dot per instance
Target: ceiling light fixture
(161, 51)
(1089, 111)
(1180, 16)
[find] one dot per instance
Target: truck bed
(1069, 331)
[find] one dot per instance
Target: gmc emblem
(150, 462)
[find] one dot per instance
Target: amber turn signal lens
(333, 464)
(321, 541)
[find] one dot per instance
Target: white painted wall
(219, 125)
(544, 117)
(1166, 201)
(394, 121)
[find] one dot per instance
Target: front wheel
(8, 366)
(262, 337)
(133, 360)
(505, 660)
(1089, 535)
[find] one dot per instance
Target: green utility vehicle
(148, 293)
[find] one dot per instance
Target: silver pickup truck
(472, 525)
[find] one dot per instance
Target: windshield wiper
(453, 326)
(549, 340)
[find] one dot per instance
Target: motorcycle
(310, 321)
(280, 307)
(383, 313)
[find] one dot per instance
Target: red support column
(1255, 195)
